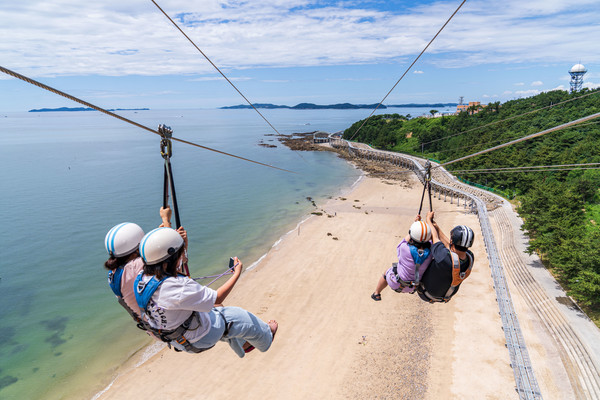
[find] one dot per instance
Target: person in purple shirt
(414, 256)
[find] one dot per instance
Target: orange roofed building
(472, 108)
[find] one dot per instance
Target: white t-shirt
(174, 300)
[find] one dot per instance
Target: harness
(457, 278)
(143, 294)
(419, 256)
(114, 281)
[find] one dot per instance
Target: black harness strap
(403, 284)
(426, 186)
(166, 152)
(177, 335)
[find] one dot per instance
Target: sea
(68, 177)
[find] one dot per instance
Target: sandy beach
(333, 340)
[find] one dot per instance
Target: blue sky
(125, 54)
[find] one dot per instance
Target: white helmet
(160, 244)
(420, 231)
(123, 239)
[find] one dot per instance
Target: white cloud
(111, 37)
(507, 92)
(537, 83)
(417, 71)
(527, 93)
(559, 87)
(519, 84)
(591, 85)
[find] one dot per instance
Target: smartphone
(231, 262)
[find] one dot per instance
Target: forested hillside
(561, 208)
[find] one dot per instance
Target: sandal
(376, 297)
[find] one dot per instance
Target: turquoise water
(68, 177)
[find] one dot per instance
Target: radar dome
(578, 68)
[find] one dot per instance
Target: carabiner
(165, 144)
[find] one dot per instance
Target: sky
(126, 54)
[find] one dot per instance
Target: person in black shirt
(452, 262)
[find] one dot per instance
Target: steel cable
(533, 135)
(408, 69)
(507, 119)
(213, 64)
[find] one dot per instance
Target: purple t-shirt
(406, 267)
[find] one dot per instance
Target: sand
(334, 342)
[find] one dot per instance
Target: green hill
(561, 209)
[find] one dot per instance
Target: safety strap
(143, 294)
(457, 276)
(166, 151)
(426, 186)
(419, 257)
(145, 290)
(403, 284)
(114, 281)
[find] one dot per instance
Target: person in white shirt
(186, 314)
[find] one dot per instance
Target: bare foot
(273, 325)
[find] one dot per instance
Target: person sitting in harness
(189, 316)
(124, 262)
(414, 256)
(452, 263)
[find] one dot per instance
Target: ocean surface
(68, 177)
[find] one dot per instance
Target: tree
(433, 112)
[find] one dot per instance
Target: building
(472, 108)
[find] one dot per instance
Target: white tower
(577, 72)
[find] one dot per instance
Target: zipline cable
(476, 171)
(507, 119)
(85, 103)
(533, 135)
(497, 141)
(537, 167)
(408, 69)
(213, 64)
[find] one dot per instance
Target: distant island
(84, 109)
(342, 106)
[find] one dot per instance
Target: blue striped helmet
(123, 239)
(160, 244)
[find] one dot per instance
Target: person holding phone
(187, 315)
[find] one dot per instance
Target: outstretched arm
(226, 288)
(443, 238)
(436, 233)
(165, 215)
